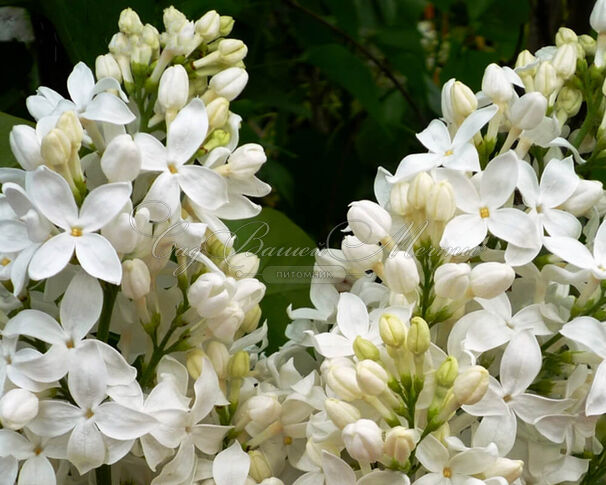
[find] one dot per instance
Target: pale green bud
(447, 372)
(195, 362)
(141, 54)
(463, 100)
(565, 61)
(174, 20)
(251, 319)
(565, 36)
(418, 338)
(525, 58)
(218, 112)
(218, 355)
(341, 413)
(546, 79)
(129, 22)
(208, 26)
(365, 349)
(239, 365)
(69, 124)
(151, 37)
(259, 466)
(107, 66)
(470, 386)
(588, 44)
(372, 378)
(570, 100)
(56, 148)
(392, 330)
(232, 51)
(227, 24)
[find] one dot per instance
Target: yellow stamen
(287, 440)
(484, 212)
(172, 168)
(76, 231)
(447, 472)
(89, 414)
(5, 262)
(448, 153)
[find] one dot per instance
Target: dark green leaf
(6, 123)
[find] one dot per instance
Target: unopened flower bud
(588, 44)
(208, 26)
(447, 372)
(369, 222)
(25, 146)
(399, 443)
(569, 100)
(246, 160)
(251, 319)
(218, 112)
(565, 60)
(227, 24)
(210, 294)
(263, 409)
(17, 408)
(363, 440)
(419, 189)
(121, 160)
(509, 469)
(585, 196)
(365, 349)
(259, 466)
(232, 51)
(528, 111)
(392, 330)
(597, 20)
(343, 381)
(173, 19)
(239, 364)
(418, 338)
(136, 280)
(129, 22)
(546, 79)
(141, 54)
(195, 362)
(470, 386)
(451, 280)
(440, 205)
(229, 83)
(106, 66)
(218, 355)
(360, 256)
(464, 101)
(565, 36)
(242, 265)
(272, 481)
(398, 198)
(151, 36)
(489, 280)
(56, 148)
(341, 413)
(524, 59)
(69, 124)
(372, 378)
(121, 233)
(173, 90)
(495, 84)
(400, 273)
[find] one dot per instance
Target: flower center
(448, 153)
(38, 450)
(447, 472)
(70, 344)
(172, 168)
(76, 231)
(507, 398)
(5, 262)
(89, 413)
(484, 212)
(287, 440)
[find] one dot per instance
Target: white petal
(352, 316)
(81, 305)
(530, 318)
(85, 448)
(187, 132)
(13, 236)
(500, 430)
(180, 469)
(8, 469)
(36, 324)
(589, 332)
(466, 195)
(528, 184)
(599, 244)
(55, 418)
(384, 477)
(119, 373)
(103, 204)
(80, 84)
(19, 268)
(153, 153)
(472, 461)
(336, 471)
(238, 207)
(414, 164)
(120, 423)
(203, 185)
(208, 438)
(555, 427)
(109, 108)
(517, 256)
(514, 226)
(521, 363)
(596, 399)
(432, 454)
(207, 391)
(332, 345)
(463, 233)
(435, 137)
(231, 466)
(499, 180)
(570, 250)
(87, 377)
(163, 197)
(37, 470)
(464, 158)
(52, 196)
(15, 444)
(491, 404)
(561, 223)
(98, 258)
(558, 182)
(473, 123)
(49, 367)
(487, 332)
(51, 257)
(529, 407)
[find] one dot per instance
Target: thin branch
(375, 60)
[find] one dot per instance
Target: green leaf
(6, 124)
(286, 255)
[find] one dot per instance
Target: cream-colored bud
(585, 196)
(565, 36)
(360, 257)
(218, 355)
(107, 66)
(259, 466)
(232, 51)
(447, 372)
(419, 190)
(69, 123)
(129, 22)
(399, 443)
(227, 24)
(141, 54)
(56, 148)
(546, 79)
(17, 408)
(372, 378)
(440, 205)
(151, 36)
(363, 440)
(464, 101)
(451, 280)
(239, 364)
(418, 338)
(341, 413)
(489, 280)
(251, 319)
(218, 112)
(263, 409)
(343, 381)
(247, 159)
(569, 100)
(470, 386)
(136, 280)
(229, 83)
(400, 272)
(509, 469)
(208, 26)
(525, 58)
(369, 222)
(588, 44)
(496, 85)
(565, 61)
(392, 330)
(242, 265)
(195, 362)
(173, 19)
(173, 90)
(398, 198)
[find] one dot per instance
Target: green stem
(103, 474)
(550, 342)
(110, 292)
(157, 354)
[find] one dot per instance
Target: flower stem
(110, 292)
(103, 474)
